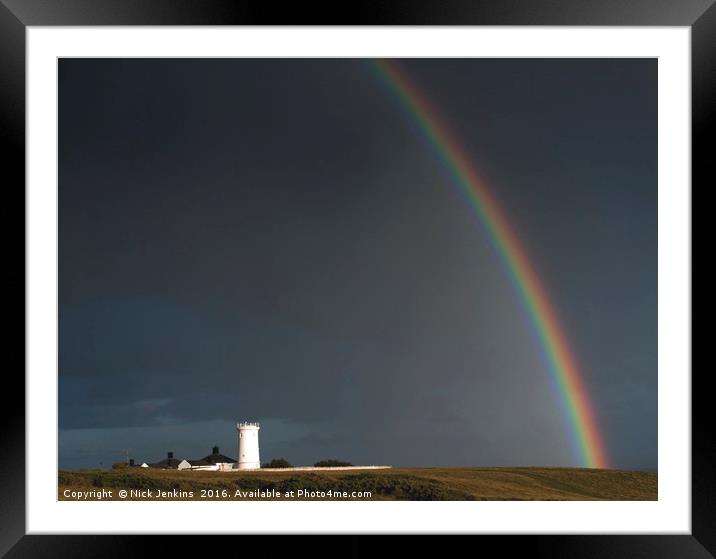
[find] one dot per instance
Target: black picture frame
(16, 15)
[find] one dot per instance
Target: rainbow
(573, 395)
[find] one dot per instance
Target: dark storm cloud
(271, 239)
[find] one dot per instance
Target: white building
(248, 446)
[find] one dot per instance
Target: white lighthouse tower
(248, 446)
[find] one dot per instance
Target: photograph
(357, 279)
(412, 268)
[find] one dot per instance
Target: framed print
(425, 270)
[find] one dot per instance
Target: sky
(275, 240)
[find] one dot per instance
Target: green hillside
(393, 484)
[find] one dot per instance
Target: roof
(200, 462)
(219, 458)
(167, 464)
(216, 458)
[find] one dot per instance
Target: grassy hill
(418, 484)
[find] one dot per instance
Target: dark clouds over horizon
(273, 240)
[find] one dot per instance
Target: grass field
(417, 484)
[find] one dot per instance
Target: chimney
(131, 461)
(215, 450)
(170, 455)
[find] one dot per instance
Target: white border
(670, 514)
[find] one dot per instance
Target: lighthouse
(248, 446)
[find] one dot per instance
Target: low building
(213, 462)
(197, 465)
